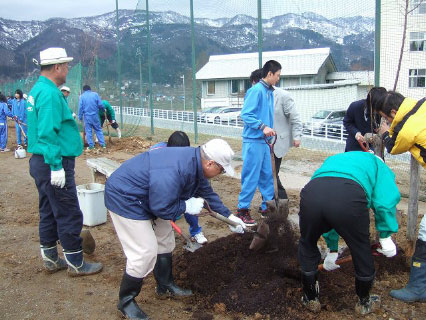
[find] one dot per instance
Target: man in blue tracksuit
(258, 117)
(89, 106)
(147, 191)
(19, 112)
(4, 113)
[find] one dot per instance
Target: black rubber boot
(367, 303)
(51, 261)
(78, 267)
(166, 286)
(310, 298)
(416, 287)
(129, 289)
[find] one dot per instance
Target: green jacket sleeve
(49, 124)
(110, 111)
(332, 240)
(384, 199)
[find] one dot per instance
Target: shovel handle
(364, 146)
(222, 218)
(178, 230)
(338, 262)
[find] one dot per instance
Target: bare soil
(229, 281)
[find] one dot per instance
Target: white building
(310, 76)
(412, 76)
(225, 78)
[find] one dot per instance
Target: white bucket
(91, 200)
(20, 153)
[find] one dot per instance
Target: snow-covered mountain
(22, 40)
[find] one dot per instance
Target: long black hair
(19, 91)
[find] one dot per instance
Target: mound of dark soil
(227, 277)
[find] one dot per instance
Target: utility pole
(184, 95)
(139, 55)
(259, 32)
(151, 102)
(194, 84)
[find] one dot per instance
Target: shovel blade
(261, 237)
(192, 246)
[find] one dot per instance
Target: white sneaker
(200, 238)
(4, 150)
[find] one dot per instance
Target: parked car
(334, 130)
(320, 120)
(201, 116)
(238, 122)
(223, 115)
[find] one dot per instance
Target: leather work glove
(237, 229)
(57, 178)
(330, 261)
(388, 248)
(194, 205)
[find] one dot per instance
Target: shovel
(263, 235)
(190, 245)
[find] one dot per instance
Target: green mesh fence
(172, 60)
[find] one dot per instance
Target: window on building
(211, 87)
(417, 41)
(419, 6)
(247, 84)
(235, 86)
(417, 78)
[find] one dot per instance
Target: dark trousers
(114, 125)
(60, 214)
(339, 203)
(282, 194)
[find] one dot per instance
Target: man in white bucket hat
(54, 140)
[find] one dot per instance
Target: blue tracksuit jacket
(4, 113)
(89, 104)
(19, 109)
(258, 109)
(156, 183)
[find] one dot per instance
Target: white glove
(74, 115)
(237, 229)
(57, 178)
(388, 247)
(330, 261)
(194, 205)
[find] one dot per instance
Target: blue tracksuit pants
(3, 134)
(19, 133)
(194, 227)
(60, 214)
(256, 172)
(92, 122)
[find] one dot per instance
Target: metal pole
(259, 31)
(139, 54)
(151, 107)
(97, 73)
(194, 84)
(377, 44)
(119, 64)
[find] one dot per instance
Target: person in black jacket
(358, 120)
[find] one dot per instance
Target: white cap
(219, 151)
(24, 96)
(54, 56)
(65, 88)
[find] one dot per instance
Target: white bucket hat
(219, 151)
(65, 88)
(54, 56)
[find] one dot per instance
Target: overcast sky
(45, 9)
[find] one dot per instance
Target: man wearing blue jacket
(19, 112)
(4, 113)
(147, 191)
(258, 117)
(89, 106)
